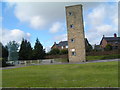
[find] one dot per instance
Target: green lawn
(102, 74)
(114, 56)
(89, 58)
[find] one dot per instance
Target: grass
(103, 74)
(114, 56)
(61, 60)
(102, 57)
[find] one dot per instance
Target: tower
(75, 30)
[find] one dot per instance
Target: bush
(54, 51)
(64, 51)
(108, 47)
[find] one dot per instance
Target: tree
(3, 54)
(4, 51)
(38, 52)
(88, 46)
(64, 51)
(25, 52)
(54, 51)
(12, 49)
(30, 51)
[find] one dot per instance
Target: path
(92, 61)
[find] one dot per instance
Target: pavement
(92, 61)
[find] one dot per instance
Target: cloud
(100, 18)
(37, 22)
(104, 29)
(39, 15)
(97, 15)
(62, 37)
(101, 21)
(56, 27)
(15, 34)
(43, 14)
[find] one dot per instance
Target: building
(64, 45)
(113, 41)
(75, 30)
(61, 45)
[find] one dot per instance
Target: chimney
(54, 42)
(103, 35)
(115, 35)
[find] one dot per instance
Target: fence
(29, 62)
(34, 62)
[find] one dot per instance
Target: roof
(63, 43)
(111, 39)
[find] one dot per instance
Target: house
(60, 45)
(64, 44)
(113, 41)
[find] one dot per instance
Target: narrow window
(71, 26)
(73, 53)
(70, 13)
(72, 40)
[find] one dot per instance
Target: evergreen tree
(29, 48)
(4, 50)
(38, 52)
(25, 52)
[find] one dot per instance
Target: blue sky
(47, 21)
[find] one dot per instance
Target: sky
(47, 21)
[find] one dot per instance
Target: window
(62, 47)
(71, 26)
(70, 13)
(72, 50)
(73, 53)
(72, 40)
(66, 46)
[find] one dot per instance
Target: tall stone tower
(75, 30)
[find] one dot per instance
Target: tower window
(72, 40)
(71, 26)
(70, 13)
(73, 53)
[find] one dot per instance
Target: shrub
(64, 51)
(108, 47)
(54, 51)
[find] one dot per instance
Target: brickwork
(75, 29)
